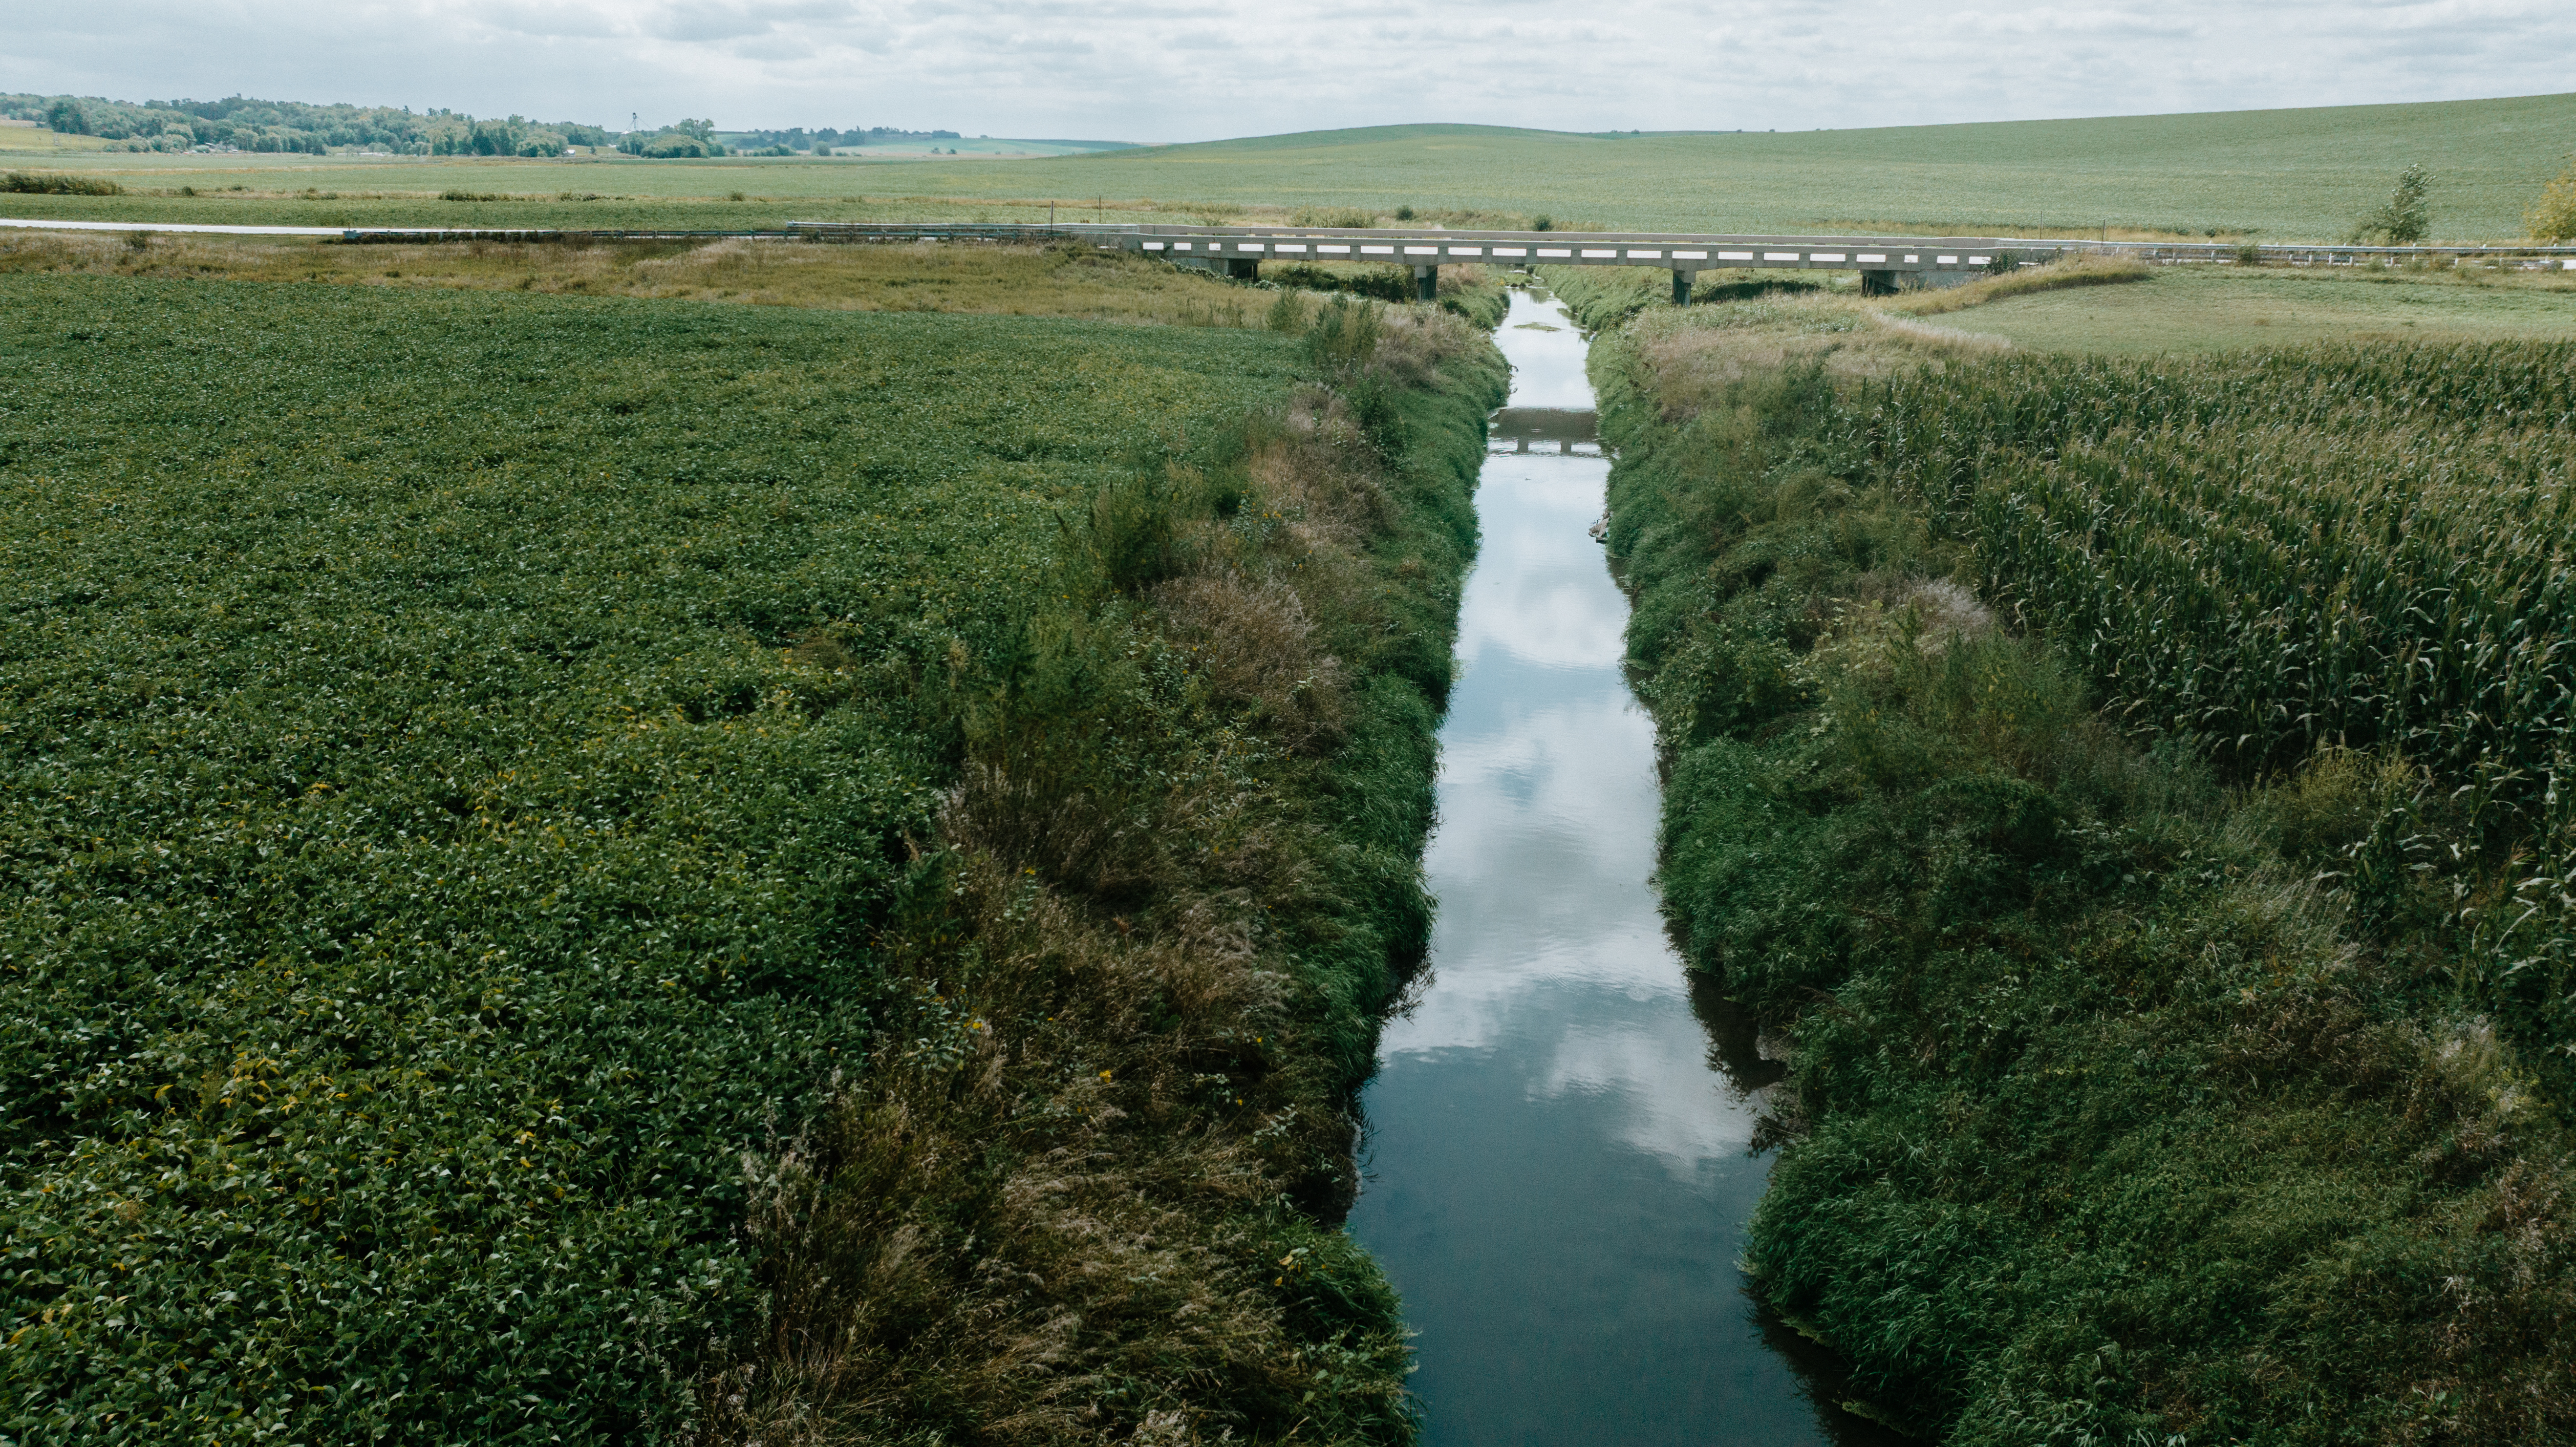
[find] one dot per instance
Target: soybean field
(459, 748)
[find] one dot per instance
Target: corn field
(2353, 546)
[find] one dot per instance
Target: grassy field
(559, 847)
(2187, 309)
(39, 142)
(2169, 1070)
(1007, 281)
(603, 194)
(983, 280)
(2115, 310)
(2281, 175)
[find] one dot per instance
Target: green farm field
(2191, 309)
(2280, 175)
(404, 732)
(1002, 280)
(2118, 310)
(588, 193)
(522, 810)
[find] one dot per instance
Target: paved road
(169, 226)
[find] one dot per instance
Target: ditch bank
(1090, 1187)
(2105, 1121)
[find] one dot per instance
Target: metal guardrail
(418, 236)
(1695, 251)
(1239, 250)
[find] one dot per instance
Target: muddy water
(1560, 1163)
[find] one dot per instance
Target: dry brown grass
(1011, 281)
(1257, 652)
(998, 1225)
(1952, 338)
(1696, 354)
(1413, 341)
(2074, 271)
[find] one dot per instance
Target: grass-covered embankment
(2140, 1086)
(2091, 307)
(1065, 281)
(595, 869)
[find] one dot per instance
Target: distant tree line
(292, 126)
(262, 125)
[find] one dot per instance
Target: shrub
(1755, 288)
(1342, 218)
(1343, 336)
(2553, 216)
(55, 184)
(2406, 217)
(1384, 283)
(1287, 313)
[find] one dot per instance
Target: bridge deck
(1427, 246)
(1679, 251)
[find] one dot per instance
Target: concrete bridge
(1885, 263)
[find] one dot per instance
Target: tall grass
(2074, 271)
(1084, 1191)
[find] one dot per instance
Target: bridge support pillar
(1879, 283)
(1426, 283)
(1682, 286)
(1243, 268)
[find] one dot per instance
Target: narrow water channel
(1559, 1168)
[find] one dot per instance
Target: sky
(1186, 70)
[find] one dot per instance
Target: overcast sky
(1181, 70)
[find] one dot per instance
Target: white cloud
(1163, 71)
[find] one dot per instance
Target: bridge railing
(1431, 247)
(1694, 251)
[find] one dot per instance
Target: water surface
(1559, 1169)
